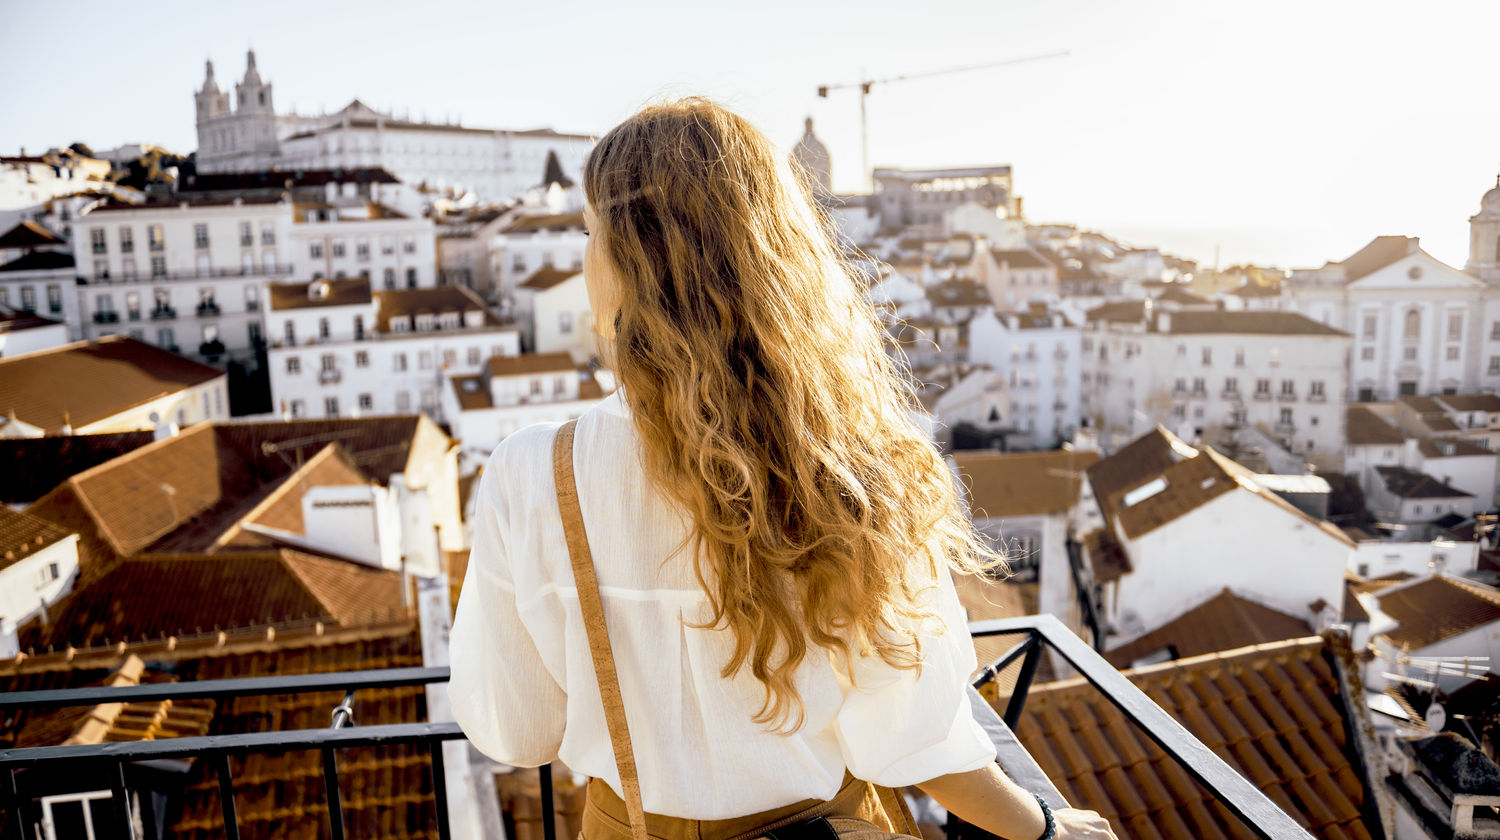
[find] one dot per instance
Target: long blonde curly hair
(768, 408)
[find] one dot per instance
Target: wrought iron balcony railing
(124, 761)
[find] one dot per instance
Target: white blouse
(523, 684)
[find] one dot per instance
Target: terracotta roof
(1134, 464)
(279, 179)
(1381, 252)
(1420, 404)
(282, 508)
(1106, 557)
(29, 234)
(404, 303)
(181, 594)
(1255, 290)
(555, 221)
(1130, 311)
(16, 320)
(1000, 484)
(39, 261)
(91, 381)
(1247, 323)
(175, 201)
(340, 291)
(546, 277)
(1185, 486)
(1272, 711)
(1410, 484)
(379, 446)
(472, 392)
(22, 535)
(388, 790)
(37, 465)
(1177, 294)
(1224, 622)
(1435, 608)
(1471, 402)
(959, 293)
(1020, 258)
(1450, 447)
(984, 598)
(1353, 610)
(530, 363)
(1366, 428)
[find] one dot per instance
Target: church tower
(1484, 238)
(211, 101)
(811, 156)
(252, 95)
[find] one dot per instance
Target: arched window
(1413, 323)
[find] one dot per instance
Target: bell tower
(1484, 238)
(811, 156)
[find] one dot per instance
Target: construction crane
(864, 86)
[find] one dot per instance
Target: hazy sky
(1283, 132)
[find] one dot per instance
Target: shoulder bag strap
(593, 623)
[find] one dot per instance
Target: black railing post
(335, 800)
(226, 797)
(1023, 681)
(12, 802)
(343, 713)
(549, 815)
(120, 799)
(439, 787)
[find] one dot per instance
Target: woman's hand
(1073, 824)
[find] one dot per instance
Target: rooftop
(1450, 447)
(29, 234)
(40, 261)
(1437, 607)
(1224, 622)
(340, 291)
(530, 363)
(1188, 322)
(552, 222)
(1366, 428)
(438, 300)
(1003, 484)
(23, 535)
(86, 382)
(1410, 484)
(1471, 402)
(1020, 258)
(1381, 252)
(546, 277)
(39, 464)
(283, 179)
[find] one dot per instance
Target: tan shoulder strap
(593, 622)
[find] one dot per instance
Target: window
(411, 278)
(1413, 328)
(1315, 388)
(361, 358)
(409, 245)
(1409, 353)
(327, 363)
(323, 329)
(403, 402)
(390, 278)
(366, 402)
(28, 298)
(291, 333)
(97, 242)
(315, 250)
(268, 261)
(103, 304)
(1275, 356)
(247, 234)
(1371, 322)
(450, 358)
(1198, 385)
(1288, 388)
(536, 387)
(166, 338)
(1208, 356)
(362, 249)
(200, 236)
(267, 233)
(1495, 331)
(1285, 418)
(398, 363)
(127, 246)
(330, 406)
(299, 408)
(54, 298)
(1455, 326)
(83, 816)
(559, 386)
(253, 329)
(210, 333)
(1416, 509)
(387, 245)
(158, 266)
(155, 239)
(473, 357)
(1494, 369)
(1231, 385)
(127, 268)
(1451, 354)
(1367, 354)
(1239, 357)
(424, 360)
(293, 365)
(338, 247)
(101, 269)
(565, 322)
(1263, 386)
(133, 305)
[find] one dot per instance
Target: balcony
(211, 349)
(208, 309)
(1286, 396)
(1263, 395)
(330, 376)
(107, 317)
(1229, 394)
(1317, 397)
(218, 273)
(145, 768)
(163, 313)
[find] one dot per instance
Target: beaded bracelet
(1051, 831)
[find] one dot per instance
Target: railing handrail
(1226, 784)
(230, 687)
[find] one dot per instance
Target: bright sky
(1287, 133)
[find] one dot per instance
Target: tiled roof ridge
(330, 450)
(1246, 479)
(100, 719)
(259, 638)
(1166, 671)
(294, 561)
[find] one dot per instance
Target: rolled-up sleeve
(903, 727)
(503, 696)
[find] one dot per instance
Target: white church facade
(493, 164)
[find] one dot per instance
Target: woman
(772, 534)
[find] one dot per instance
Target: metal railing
(1223, 782)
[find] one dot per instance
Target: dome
(1491, 200)
(812, 156)
(810, 145)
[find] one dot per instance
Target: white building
(467, 250)
(557, 303)
(24, 332)
(38, 275)
(38, 564)
(492, 164)
(513, 392)
(1206, 374)
(1386, 462)
(1418, 326)
(28, 183)
(338, 349)
(1189, 523)
(1435, 616)
(189, 276)
(114, 384)
(528, 243)
(352, 236)
(1039, 353)
(1414, 499)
